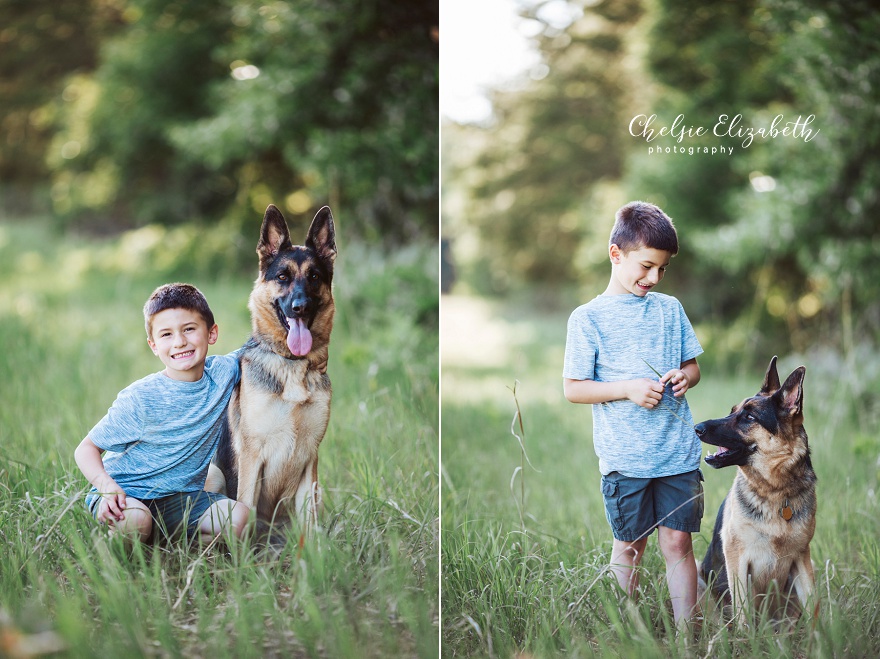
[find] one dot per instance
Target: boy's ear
(152, 346)
(615, 253)
(213, 334)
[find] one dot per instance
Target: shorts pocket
(611, 495)
(701, 499)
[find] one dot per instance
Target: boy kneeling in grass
(163, 430)
(648, 454)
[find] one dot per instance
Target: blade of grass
(665, 395)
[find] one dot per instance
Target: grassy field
(72, 336)
(525, 544)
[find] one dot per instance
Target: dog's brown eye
(282, 277)
(313, 276)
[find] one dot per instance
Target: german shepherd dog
(279, 412)
(761, 540)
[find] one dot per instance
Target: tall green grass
(72, 336)
(541, 586)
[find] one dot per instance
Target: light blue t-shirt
(160, 434)
(620, 337)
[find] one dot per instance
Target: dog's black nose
(297, 304)
(700, 429)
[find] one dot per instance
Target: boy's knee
(225, 516)
(675, 544)
(631, 551)
(239, 518)
(138, 523)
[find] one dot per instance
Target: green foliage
(807, 247)
(153, 74)
(41, 43)
(206, 110)
(720, 56)
(343, 103)
(779, 239)
(554, 139)
(73, 336)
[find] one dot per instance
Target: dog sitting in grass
(279, 413)
(760, 547)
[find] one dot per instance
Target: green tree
(779, 240)
(707, 60)
(203, 109)
(41, 43)
(112, 158)
(804, 250)
(552, 144)
(341, 100)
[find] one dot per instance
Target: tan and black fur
(279, 412)
(760, 547)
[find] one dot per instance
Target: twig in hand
(677, 401)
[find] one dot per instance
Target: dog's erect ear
(274, 237)
(790, 397)
(322, 235)
(771, 380)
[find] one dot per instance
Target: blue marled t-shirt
(610, 339)
(160, 434)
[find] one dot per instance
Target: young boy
(163, 430)
(649, 455)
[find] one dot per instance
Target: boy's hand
(645, 392)
(680, 382)
(112, 506)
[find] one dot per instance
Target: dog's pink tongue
(299, 338)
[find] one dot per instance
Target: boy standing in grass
(649, 455)
(163, 430)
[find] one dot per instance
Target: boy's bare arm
(88, 459)
(644, 392)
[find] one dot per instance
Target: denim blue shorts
(171, 513)
(635, 506)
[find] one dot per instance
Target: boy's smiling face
(180, 339)
(636, 271)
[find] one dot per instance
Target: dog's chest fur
(764, 539)
(285, 419)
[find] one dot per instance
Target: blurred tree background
(780, 240)
(121, 113)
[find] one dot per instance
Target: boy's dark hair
(640, 224)
(176, 296)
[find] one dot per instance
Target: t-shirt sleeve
(228, 367)
(690, 345)
(580, 349)
(121, 426)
